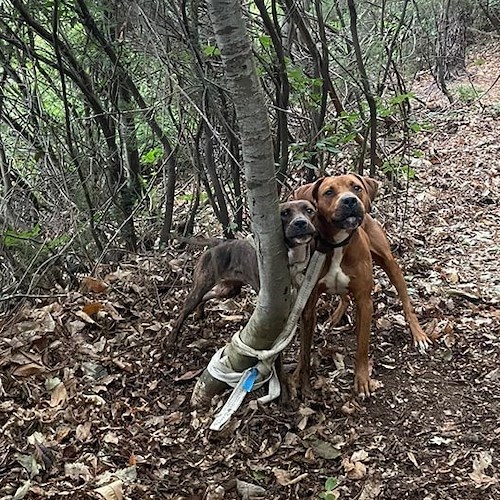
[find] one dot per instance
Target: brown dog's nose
(349, 201)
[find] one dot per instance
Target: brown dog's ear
(315, 188)
(301, 193)
(306, 192)
(371, 186)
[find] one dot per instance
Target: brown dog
(225, 268)
(351, 237)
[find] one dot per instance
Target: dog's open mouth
(349, 223)
(352, 222)
(302, 239)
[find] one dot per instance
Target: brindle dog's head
(342, 201)
(297, 218)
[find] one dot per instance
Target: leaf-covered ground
(92, 408)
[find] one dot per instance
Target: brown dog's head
(342, 201)
(297, 218)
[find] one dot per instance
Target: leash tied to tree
(264, 371)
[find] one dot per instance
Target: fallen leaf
(354, 470)
(93, 308)
(452, 276)
(83, 431)
(412, 459)
(22, 491)
(350, 408)
(479, 464)
(371, 490)
(77, 470)
(249, 491)
(110, 437)
(111, 491)
(29, 369)
(439, 441)
(323, 449)
(189, 375)
(85, 317)
(46, 324)
(125, 475)
(284, 478)
(359, 456)
(95, 399)
(93, 285)
(75, 326)
(29, 463)
(58, 395)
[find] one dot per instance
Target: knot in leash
(264, 371)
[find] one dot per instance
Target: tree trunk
(365, 83)
(450, 56)
(274, 300)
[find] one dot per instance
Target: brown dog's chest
(335, 281)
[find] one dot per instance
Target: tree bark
(450, 57)
(274, 300)
(365, 82)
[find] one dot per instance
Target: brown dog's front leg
(363, 385)
(393, 270)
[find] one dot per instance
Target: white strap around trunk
(264, 371)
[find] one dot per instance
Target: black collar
(325, 246)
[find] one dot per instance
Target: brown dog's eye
(310, 211)
(285, 213)
(329, 192)
(357, 188)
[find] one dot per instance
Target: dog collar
(325, 246)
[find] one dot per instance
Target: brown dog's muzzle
(348, 213)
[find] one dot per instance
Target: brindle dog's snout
(299, 223)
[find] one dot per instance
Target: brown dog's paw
(366, 386)
(420, 339)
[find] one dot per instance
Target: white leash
(264, 371)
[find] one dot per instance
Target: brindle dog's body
(225, 268)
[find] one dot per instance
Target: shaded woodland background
(117, 132)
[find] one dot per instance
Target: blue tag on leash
(250, 379)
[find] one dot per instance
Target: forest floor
(92, 408)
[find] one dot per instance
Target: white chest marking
(335, 280)
(298, 259)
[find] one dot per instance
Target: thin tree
(274, 300)
(450, 49)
